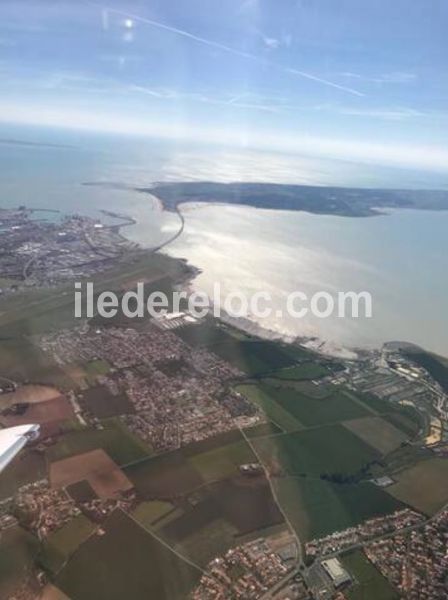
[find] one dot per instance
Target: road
(385, 536)
(274, 494)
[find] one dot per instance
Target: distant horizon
(252, 165)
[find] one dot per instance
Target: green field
(22, 361)
(148, 513)
(50, 309)
(293, 409)
(61, 544)
(179, 472)
(406, 419)
(214, 502)
(208, 542)
(18, 550)
(209, 333)
(119, 443)
(304, 371)
(369, 584)
(101, 403)
(330, 449)
(27, 467)
(262, 429)
(44, 310)
(405, 457)
(222, 462)
(377, 432)
(334, 408)
(240, 506)
(317, 508)
(250, 354)
(424, 485)
(126, 562)
(318, 476)
(278, 415)
(95, 368)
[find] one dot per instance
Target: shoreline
(324, 347)
(321, 346)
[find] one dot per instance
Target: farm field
(250, 354)
(213, 503)
(304, 371)
(309, 411)
(40, 310)
(29, 394)
(179, 472)
(220, 512)
(424, 485)
(62, 543)
(49, 412)
(149, 512)
(293, 409)
(317, 508)
(17, 552)
(377, 432)
(369, 584)
(102, 404)
(95, 368)
(406, 419)
(23, 362)
(278, 415)
(115, 439)
(322, 450)
(374, 403)
(163, 477)
(263, 429)
(245, 503)
(222, 462)
(104, 476)
(126, 562)
(212, 540)
(27, 467)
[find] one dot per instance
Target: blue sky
(357, 80)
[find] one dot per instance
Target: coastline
(326, 347)
(319, 346)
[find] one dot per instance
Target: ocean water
(400, 258)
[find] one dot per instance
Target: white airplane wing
(13, 439)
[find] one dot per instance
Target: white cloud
(105, 19)
(389, 114)
(272, 43)
(393, 77)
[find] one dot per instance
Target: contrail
(228, 49)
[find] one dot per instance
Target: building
(336, 571)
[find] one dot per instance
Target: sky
(358, 81)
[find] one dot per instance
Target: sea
(400, 258)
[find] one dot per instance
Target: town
(42, 248)
(177, 395)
